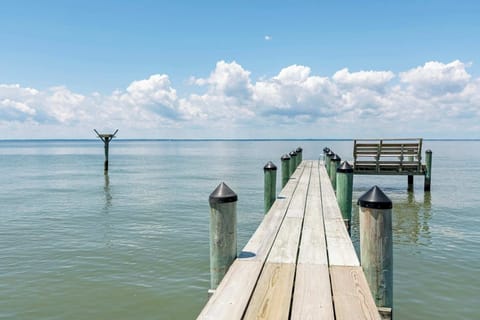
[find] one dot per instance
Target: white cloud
(268, 38)
(228, 102)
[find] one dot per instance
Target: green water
(75, 244)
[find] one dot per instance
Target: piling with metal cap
(285, 169)
(328, 157)
(410, 177)
(223, 232)
(325, 151)
(428, 170)
(299, 152)
(334, 164)
(376, 246)
(270, 179)
(293, 162)
(345, 191)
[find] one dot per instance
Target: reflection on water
(106, 190)
(411, 218)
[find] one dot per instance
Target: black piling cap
(299, 150)
(326, 150)
(345, 167)
(335, 158)
(293, 154)
(330, 153)
(375, 199)
(222, 194)
(270, 166)
(285, 157)
(428, 151)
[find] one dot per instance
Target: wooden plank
(272, 296)
(339, 244)
(313, 247)
(285, 247)
(297, 205)
(232, 295)
(351, 294)
(312, 298)
(340, 248)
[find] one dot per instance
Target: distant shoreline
(219, 140)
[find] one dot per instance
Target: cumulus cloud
(268, 38)
(435, 95)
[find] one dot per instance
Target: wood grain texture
(232, 295)
(312, 298)
(313, 247)
(272, 296)
(297, 205)
(351, 295)
(285, 247)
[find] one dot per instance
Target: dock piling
(299, 152)
(344, 191)
(285, 169)
(328, 157)
(270, 182)
(223, 232)
(376, 246)
(293, 162)
(428, 170)
(334, 164)
(325, 151)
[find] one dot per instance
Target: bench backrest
(388, 150)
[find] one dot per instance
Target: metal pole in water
(428, 170)
(334, 164)
(285, 169)
(223, 232)
(270, 181)
(345, 192)
(376, 248)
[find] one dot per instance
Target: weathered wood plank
(340, 247)
(312, 298)
(352, 297)
(285, 247)
(297, 205)
(232, 295)
(261, 241)
(313, 247)
(272, 296)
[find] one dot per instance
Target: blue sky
(243, 69)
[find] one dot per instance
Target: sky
(240, 69)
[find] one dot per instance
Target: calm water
(75, 244)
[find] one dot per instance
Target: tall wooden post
(428, 170)
(410, 177)
(293, 162)
(345, 192)
(334, 164)
(325, 151)
(299, 152)
(270, 181)
(223, 232)
(285, 169)
(376, 246)
(328, 157)
(106, 138)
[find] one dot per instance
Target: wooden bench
(299, 264)
(388, 156)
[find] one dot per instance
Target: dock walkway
(299, 264)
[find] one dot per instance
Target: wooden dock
(299, 264)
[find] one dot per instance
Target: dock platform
(299, 264)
